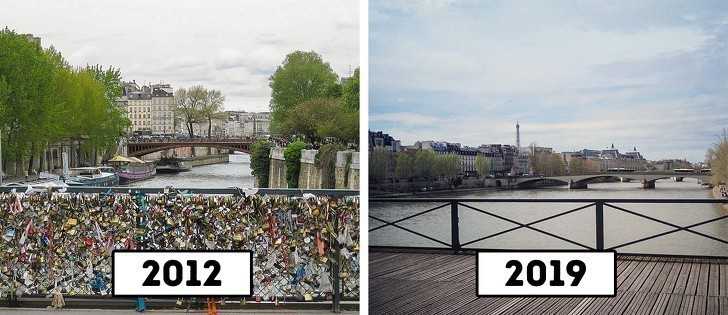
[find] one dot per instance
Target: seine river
(235, 173)
(620, 227)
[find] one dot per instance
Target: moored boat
(91, 176)
(173, 165)
(131, 169)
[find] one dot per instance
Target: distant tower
(518, 137)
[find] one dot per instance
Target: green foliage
(322, 118)
(292, 154)
(302, 77)
(350, 92)
(43, 100)
(718, 159)
(447, 166)
(405, 167)
(378, 165)
(260, 161)
(425, 164)
(326, 161)
(482, 165)
(547, 164)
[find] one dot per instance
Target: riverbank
(208, 159)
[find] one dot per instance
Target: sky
(232, 46)
(575, 74)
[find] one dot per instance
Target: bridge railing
(83, 225)
(455, 207)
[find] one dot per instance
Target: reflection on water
(235, 173)
(620, 227)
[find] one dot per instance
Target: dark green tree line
(43, 100)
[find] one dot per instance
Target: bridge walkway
(441, 283)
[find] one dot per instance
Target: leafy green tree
(43, 100)
(405, 165)
(260, 161)
(322, 118)
(717, 158)
(302, 77)
(378, 165)
(350, 92)
(292, 154)
(448, 166)
(425, 164)
(482, 165)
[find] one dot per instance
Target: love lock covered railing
(305, 242)
(598, 206)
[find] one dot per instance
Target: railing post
(600, 225)
(455, 225)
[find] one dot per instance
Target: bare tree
(189, 106)
(211, 107)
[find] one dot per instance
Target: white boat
(91, 176)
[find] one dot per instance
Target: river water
(620, 227)
(235, 173)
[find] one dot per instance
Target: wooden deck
(416, 283)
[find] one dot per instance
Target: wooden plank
(442, 283)
(723, 285)
(723, 305)
(672, 278)
(673, 304)
(692, 285)
(713, 280)
(660, 304)
(703, 283)
(687, 304)
(712, 307)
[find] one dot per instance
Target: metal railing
(597, 204)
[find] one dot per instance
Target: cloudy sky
(233, 46)
(652, 74)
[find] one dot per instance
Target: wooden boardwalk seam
(436, 283)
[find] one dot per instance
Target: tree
(717, 158)
(425, 164)
(482, 165)
(350, 92)
(448, 166)
(405, 165)
(189, 106)
(378, 161)
(260, 161)
(43, 100)
(211, 107)
(322, 118)
(292, 154)
(302, 77)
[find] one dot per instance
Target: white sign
(546, 273)
(182, 273)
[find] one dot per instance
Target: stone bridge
(581, 181)
(142, 147)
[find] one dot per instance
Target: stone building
(150, 108)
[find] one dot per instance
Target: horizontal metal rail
(598, 205)
(207, 191)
